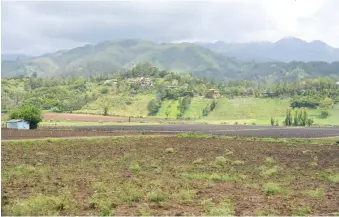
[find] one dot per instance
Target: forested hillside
(114, 56)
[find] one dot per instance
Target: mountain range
(220, 61)
(285, 50)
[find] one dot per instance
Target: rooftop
(15, 120)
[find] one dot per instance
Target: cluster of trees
(209, 108)
(300, 118)
(153, 106)
(183, 105)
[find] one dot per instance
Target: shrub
(272, 121)
(104, 91)
(324, 114)
(153, 106)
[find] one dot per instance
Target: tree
(105, 111)
(324, 114)
(272, 121)
(153, 106)
(28, 113)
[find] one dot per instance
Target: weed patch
(156, 195)
(272, 188)
(42, 205)
(302, 211)
(318, 193)
(224, 208)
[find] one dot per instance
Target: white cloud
(38, 27)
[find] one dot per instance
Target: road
(229, 130)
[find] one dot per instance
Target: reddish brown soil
(91, 118)
(77, 165)
(13, 134)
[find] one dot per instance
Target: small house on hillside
(146, 82)
(17, 124)
(269, 93)
(214, 93)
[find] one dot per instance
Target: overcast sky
(43, 26)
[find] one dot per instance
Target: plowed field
(168, 176)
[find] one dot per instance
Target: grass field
(169, 107)
(196, 107)
(121, 105)
(183, 175)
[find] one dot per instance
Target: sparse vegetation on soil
(142, 176)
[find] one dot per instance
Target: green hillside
(147, 91)
(113, 56)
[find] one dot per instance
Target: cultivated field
(225, 130)
(178, 175)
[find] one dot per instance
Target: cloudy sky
(37, 27)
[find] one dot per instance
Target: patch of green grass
(169, 150)
(22, 171)
(156, 195)
(302, 211)
(238, 162)
(213, 176)
(269, 160)
(135, 168)
(194, 135)
(220, 160)
(42, 205)
(198, 161)
(196, 107)
(272, 188)
(334, 178)
(331, 177)
(224, 208)
(267, 171)
(185, 195)
(317, 193)
(130, 193)
(99, 187)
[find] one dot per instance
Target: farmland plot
(168, 176)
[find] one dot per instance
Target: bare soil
(78, 166)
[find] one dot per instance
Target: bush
(104, 91)
(28, 113)
(153, 106)
(324, 114)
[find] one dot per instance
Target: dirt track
(230, 130)
(227, 130)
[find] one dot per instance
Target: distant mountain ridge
(285, 50)
(113, 56)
